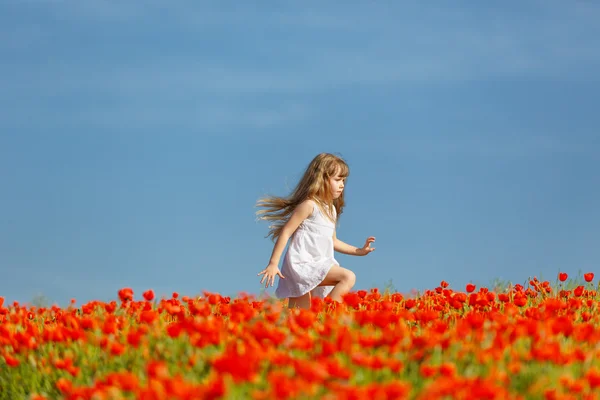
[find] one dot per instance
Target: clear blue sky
(135, 140)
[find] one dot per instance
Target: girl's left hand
(366, 249)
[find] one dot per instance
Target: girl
(309, 216)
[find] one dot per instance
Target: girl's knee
(350, 277)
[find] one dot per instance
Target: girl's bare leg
(343, 279)
(300, 302)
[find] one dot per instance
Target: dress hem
(311, 287)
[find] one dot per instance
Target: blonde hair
(314, 185)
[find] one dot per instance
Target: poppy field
(537, 340)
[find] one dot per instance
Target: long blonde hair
(313, 185)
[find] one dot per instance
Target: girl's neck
(322, 202)
(326, 208)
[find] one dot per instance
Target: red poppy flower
(149, 295)
(126, 294)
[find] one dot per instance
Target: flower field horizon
(523, 341)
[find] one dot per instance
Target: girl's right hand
(269, 274)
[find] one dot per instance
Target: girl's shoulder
(306, 207)
(310, 204)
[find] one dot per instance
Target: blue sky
(135, 140)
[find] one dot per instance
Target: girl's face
(336, 183)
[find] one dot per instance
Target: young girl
(308, 216)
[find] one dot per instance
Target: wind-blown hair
(314, 185)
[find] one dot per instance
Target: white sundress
(309, 257)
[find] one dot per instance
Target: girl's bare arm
(301, 212)
(345, 248)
